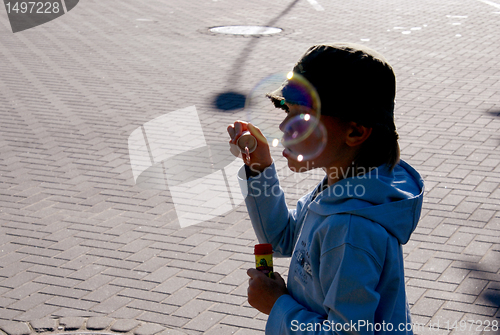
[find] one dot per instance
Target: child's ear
(357, 134)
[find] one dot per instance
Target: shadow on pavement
(494, 112)
(231, 100)
(490, 296)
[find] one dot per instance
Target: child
(345, 238)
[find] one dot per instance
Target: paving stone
(491, 261)
(142, 295)
(173, 256)
(148, 329)
(453, 275)
(436, 265)
(102, 293)
(243, 322)
(246, 311)
(172, 332)
(472, 286)
(110, 305)
(205, 276)
(205, 248)
(93, 282)
(204, 321)
(15, 328)
(427, 306)
(445, 318)
(420, 255)
(124, 325)
(169, 320)
(98, 323)
(182, 296)
(172, 285)
(43, 325)
(477, 248)
(126, 313)
(72, 323)
(143, 305)
(461, 239)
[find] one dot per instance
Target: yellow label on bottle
(264, 263)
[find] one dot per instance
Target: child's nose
(282, 126)
(283, 123)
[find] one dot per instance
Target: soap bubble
(304, 136)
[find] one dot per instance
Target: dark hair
(380, 148)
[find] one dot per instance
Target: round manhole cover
(246, 30)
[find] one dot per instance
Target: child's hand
(261, 157)
(264, 291)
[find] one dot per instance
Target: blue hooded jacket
(346, 273)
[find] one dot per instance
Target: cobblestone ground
(83, 247)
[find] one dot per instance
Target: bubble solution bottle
(264, 258)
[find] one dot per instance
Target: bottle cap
(246, 140)
(263, 249)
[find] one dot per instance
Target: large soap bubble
(302, 136)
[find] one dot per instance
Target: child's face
(332, 155)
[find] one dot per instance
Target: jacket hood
(393, 199)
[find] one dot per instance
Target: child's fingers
(238, 129)
(231, 131)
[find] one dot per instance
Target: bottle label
(264, 263)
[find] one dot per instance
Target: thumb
(278, 277)
(256, 133)
(253, 273)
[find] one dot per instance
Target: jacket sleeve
(350, 298)
(272, 221)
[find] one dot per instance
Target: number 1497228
(32, 7)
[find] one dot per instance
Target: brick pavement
(79, 241)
